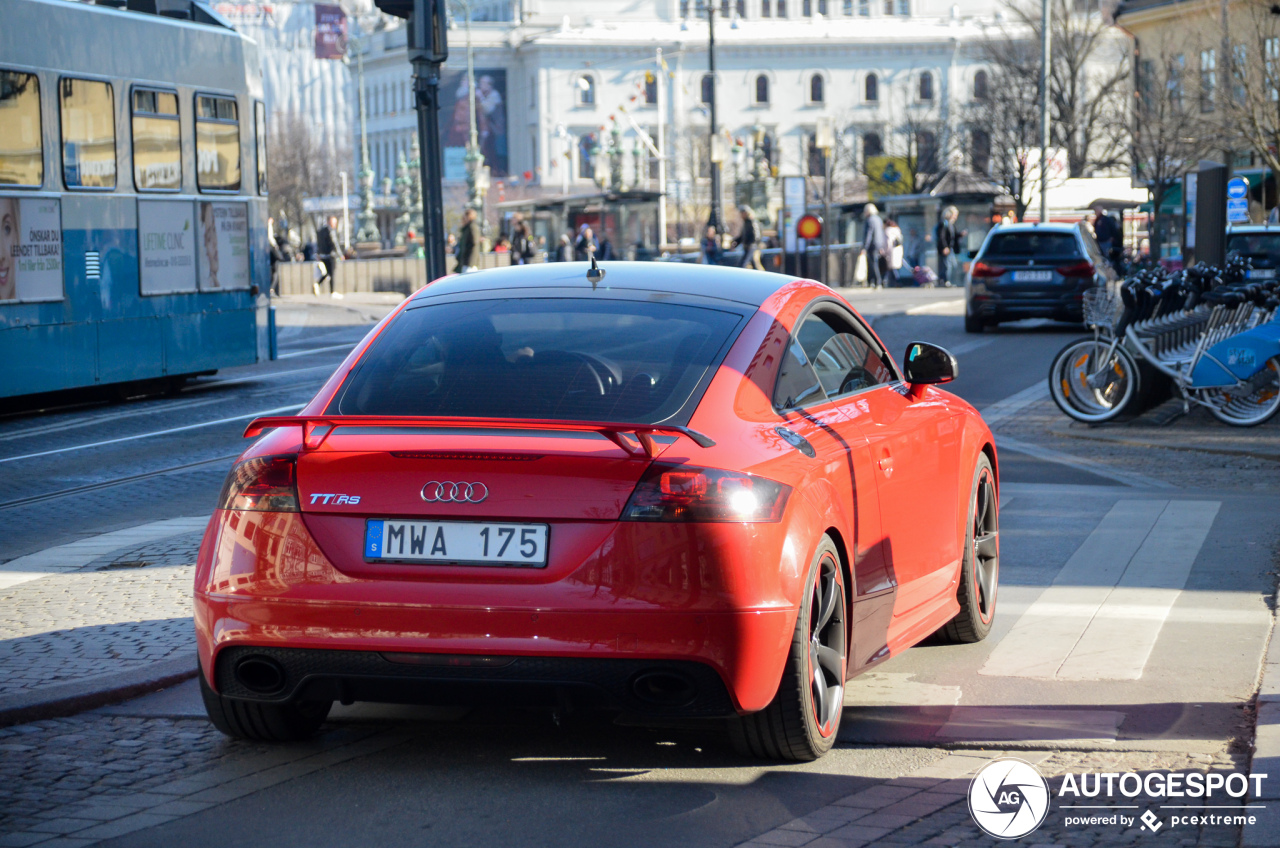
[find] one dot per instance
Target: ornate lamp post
(368, 219)
(477, 174)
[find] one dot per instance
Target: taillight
(262, 484)
(982, 269)
(1082, 268)
(671, 492)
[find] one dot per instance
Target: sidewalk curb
(1064, 431)
(99, 690)
(1266, 748)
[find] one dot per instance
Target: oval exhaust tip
(260, 674)
(663, 688)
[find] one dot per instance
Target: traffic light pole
(426, 87)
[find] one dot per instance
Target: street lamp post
(717, 217)
(477, 186)
(368, 219)
(1046, 45)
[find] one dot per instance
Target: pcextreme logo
(1008, 798)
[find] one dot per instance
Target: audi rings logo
(1008, 798)
(448, 492)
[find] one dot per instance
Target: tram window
(21, 143)
(88, 133)
(217, 143)
(157, 141)
(260, 138)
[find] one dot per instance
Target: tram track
(117, 481)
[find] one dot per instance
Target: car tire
(980, 566)
(287, 722)
(973, 323)
(801, 722)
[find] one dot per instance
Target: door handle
(886, 465)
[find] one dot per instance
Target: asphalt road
(1085, 656)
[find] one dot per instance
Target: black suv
(1032, 271)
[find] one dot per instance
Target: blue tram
(133, 213)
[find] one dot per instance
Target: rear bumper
(1011, 307)
(263, 583)
(635, 686)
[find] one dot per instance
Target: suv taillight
(1083, 268)
(982, 269)
(672, 492)
(262, 484)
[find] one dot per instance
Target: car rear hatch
(1262, 249)
(1032, 263)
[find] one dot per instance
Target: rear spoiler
(315, 429)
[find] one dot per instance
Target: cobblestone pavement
(121, 611)
(930, 807)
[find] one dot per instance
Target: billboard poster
(331, 32)
(30, 248)
(166, 246)
(223, 245)
(491, 121)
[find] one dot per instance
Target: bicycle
(1209, 330)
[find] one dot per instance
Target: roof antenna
(595, 273)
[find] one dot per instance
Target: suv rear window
(1034, 245)
(1260, 247)
(564, 358)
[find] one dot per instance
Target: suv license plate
(1032, 276)
(456, 542)
(1262, 274)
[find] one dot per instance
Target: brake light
(982, 269)
(670, 492)
(1083, 268)
(262, 484)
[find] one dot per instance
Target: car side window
(797, 384)
(847, 364)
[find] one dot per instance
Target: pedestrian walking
(893, 238)
(468, 243)
(712, 252)
(749, 238)
(606, 252)
(948, 239)
(522, 249)
(1107, 233)
(586, 245)
(327, 254)
(874, 246)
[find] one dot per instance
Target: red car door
(811, 400)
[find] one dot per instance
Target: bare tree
(1252, 106)
(1089, 79)
(301, 165)
(1008, 117)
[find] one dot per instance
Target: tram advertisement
(223, 245)
(30, 248)
(166, 246)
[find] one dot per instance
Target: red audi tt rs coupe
(674, 493)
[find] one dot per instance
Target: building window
(904, 8)
(822, 7)
(1177, 69)
(88, 134)
(650, 88)
(21, 140)
(1240, 59)
(217, 143)
(766, 8)
(762, 90)
(586, 90)
(926, 87)
(781, 7)
(806, 8)
(926, 152)
(816, 93)
(157, 141)
(684, 8)
(847, 8)
(1272, 49)
(980, 86)
(260, 139)
(871, 146)
(871, 89)
(888, 7)
(1208, 79)
(864, 8)
(981, 153)
(817, 162)
(740, 8)
(587, 147)
(724, 8)
(708, 88)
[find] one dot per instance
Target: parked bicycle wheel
(1092, 383)
(1248, 410)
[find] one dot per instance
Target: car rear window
(1034, 245)
(1256, 246)
(562, 358)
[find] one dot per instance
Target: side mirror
(926, 364)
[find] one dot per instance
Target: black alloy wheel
(980, 568)
(827, 648)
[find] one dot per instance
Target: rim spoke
(984, 502)
(829, 659)
(987, 545)
(819, 692)
(827, 605)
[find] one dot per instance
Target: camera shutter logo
(1008, 798)
(448, 492)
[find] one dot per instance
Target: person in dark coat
(875, 246)
(327, 249)
(586, 244)
(1107, 232)
(712, 252)
(606, 251)
(949, 241)
(469, 243)
(749, 237)
(522, 249)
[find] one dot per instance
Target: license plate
(456, 542)
(1262, 274)
(1032, 276)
